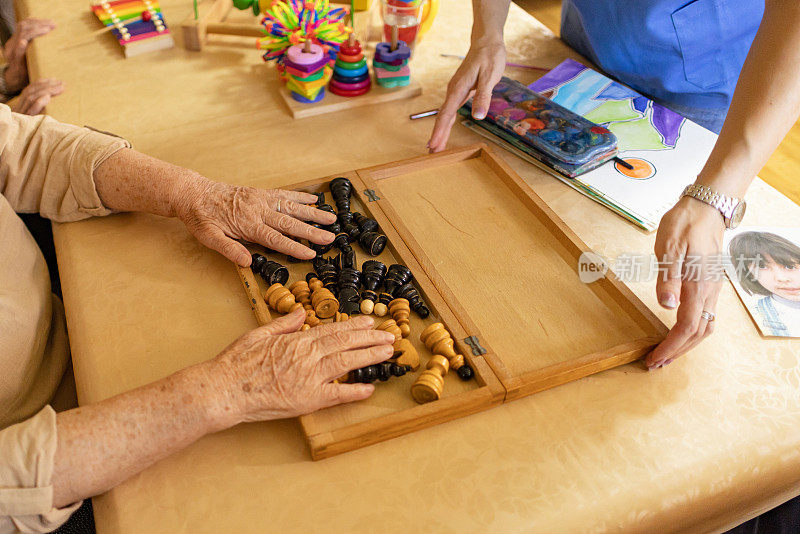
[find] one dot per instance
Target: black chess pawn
(341, 240)
(372, 274)
(341, 190)
(380, 371)
(465, 372)
(326, 207)
(409, 292)
(320, 199)
(345, 219)
(271, 271)
(327, 272)
(346, 258)
(373, 243)
(365, 224)
(397, 275)
(348, 283)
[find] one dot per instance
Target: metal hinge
(371, 196)
(475, 345)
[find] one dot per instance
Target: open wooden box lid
(507, 267)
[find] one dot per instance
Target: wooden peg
(389, 325)
(430, 384)
(307, 45)
(324, 303)
(281, 299)
(394, 37)
(400, 311)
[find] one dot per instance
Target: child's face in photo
(780, 280)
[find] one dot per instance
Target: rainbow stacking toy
(391, 65)
(350, 72)
(307, 72)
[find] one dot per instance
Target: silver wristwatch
(731, 208)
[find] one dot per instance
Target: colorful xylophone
(139, 25)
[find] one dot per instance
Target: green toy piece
(244, 4)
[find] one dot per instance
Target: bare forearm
(765, 105)
(489, 17)
(101, 445)
(132, 181)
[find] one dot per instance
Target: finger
(214, 238)
(335, 365)
(342, 393)
(306, 212)
(668, 283)
(286, 324)
(687, 325)
(457, 94)
(483, 94)
(351, 340)
(39, 104)
(705, 328)
(272, 239)
(362, 322)
(288, 225)
(294, 196)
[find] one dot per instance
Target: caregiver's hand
(478, 74)
(688, 245)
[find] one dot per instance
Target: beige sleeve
(47, 166)
(27, 452)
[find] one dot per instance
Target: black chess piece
(341, 240)
(271, 271)
(348, 283)
(326, 207)
(341, 190)
(465, 372)
(320, 199)
(365, 224)
(346, 258)
(345, 219)
(373, 243)
(372, 274)
(409, 292)
(396, 276)
(380, 371)
(327, 272)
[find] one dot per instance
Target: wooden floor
(782, 171)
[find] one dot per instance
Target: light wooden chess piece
(389, 325)
(280, 299)
(430, 383)
(341, 317)
(302, 294)
(406, 354)
(438, 340)
(324, 303)
(400, 311)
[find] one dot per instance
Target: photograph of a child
(764, 266)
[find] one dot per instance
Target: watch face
(738, 214)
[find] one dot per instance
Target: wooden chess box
(499, 269)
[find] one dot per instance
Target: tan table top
(709, 441)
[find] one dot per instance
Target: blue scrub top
(685, 54)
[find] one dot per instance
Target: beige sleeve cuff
(91, 151)
(27, 452)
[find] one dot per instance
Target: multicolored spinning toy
(292, 22)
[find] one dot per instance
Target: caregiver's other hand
(688, 245)
(219, 214)
(478, 74)
(16, 48)
(275, 371)
(35, 97)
